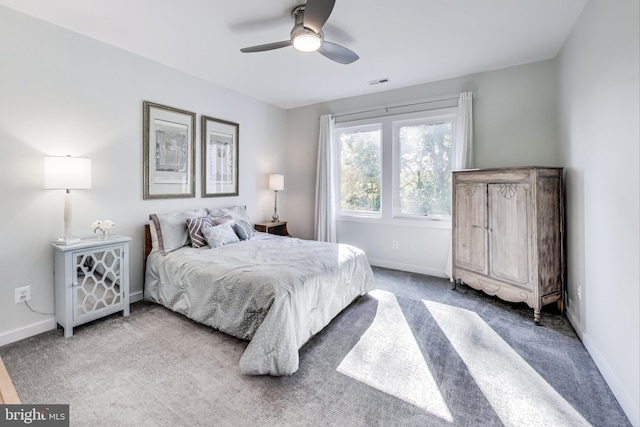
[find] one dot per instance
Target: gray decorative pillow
(172, 228)
(220, 235)
(244, 230)
(195, 226)
(238, 213)
(222, 219)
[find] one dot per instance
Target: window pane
(360, 169)
(425, 168)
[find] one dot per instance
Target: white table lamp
(67, 173)
(276, 183)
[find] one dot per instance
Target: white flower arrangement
(102, 225)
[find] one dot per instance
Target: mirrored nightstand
(91, 280)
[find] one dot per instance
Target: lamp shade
(67, 173)
(276, 182)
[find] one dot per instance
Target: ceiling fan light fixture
(307, 35)
(307, 41)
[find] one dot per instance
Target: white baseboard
(629, 405)
(407, 267)
(27, 331)
(45, 325)
(135, 297)
(573, 319)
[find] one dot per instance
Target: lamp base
(67, 240)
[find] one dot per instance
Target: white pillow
(172, 229)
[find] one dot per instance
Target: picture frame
(220, 148)
(169, 152)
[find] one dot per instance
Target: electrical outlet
(23, 294)
(395, 244)
(579, 292)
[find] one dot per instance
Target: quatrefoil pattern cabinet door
(98, 280)
(91, 280)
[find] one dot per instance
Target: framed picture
(169, 152)
(220, 140)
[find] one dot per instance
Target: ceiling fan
(307, 35)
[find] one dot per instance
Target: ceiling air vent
(379, 81)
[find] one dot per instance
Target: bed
(277, 292)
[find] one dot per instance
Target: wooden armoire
(508, 234)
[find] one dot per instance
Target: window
(360, 179)
(396, 167)
(422, 167)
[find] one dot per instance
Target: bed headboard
(147, 242)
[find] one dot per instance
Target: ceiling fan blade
(265, 47)
(261, 24)
(316, 13)
(338, 53)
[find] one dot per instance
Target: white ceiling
(408, 41)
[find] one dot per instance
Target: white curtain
(462, 150)
(325, 221)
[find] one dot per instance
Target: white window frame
(360, 125)
(390, 166)
(424, 117)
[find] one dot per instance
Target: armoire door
(471, 226)
(509, 226)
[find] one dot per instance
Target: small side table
(91, 280)
(279, 227)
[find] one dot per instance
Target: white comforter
(275, 291)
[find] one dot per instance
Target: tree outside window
(424, 168)
(418, 157)
(360, 168)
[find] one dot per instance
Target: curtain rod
(386, 109)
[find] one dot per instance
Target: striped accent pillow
(244, 230)
(195, 226)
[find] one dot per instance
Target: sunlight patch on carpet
(388, 358)
(517, 393)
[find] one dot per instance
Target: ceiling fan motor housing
(303, 38)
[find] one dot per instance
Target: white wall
(600, 135)
(67, 94)
(515, 124)
(62, 93)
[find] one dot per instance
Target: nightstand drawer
(279, 228)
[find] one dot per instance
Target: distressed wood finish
(508, 234)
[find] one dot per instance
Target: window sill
(398, 222)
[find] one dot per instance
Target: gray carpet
(413, 353)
